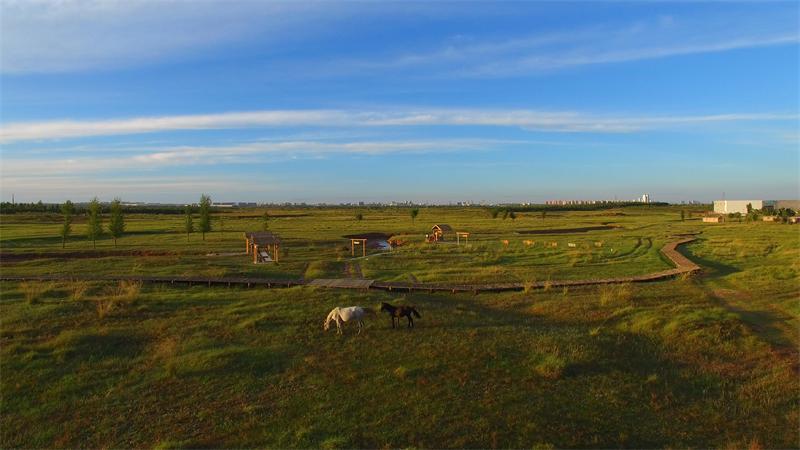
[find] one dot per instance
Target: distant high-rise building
(645, 198)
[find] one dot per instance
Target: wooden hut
(438, 231)
(263, 245)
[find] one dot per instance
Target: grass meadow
(703, 361)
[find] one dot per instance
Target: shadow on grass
(766, 324)
(712, 269)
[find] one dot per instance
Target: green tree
(359, 216)
(67, 210)
(544, 213)
(205, 215)
(683, 215)
(222, 226)
(414, 214)
(116, 224)
(494, 212)
(94, 222)
(512, 215)
(265, 221)
(188, 223)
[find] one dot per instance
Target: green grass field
(704, 361)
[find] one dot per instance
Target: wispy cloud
(554, 121)
(251, 152)
(66, 36)
(61, 187)
(41, 36)
(520, 55)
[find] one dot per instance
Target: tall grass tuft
(615, 294)
(104, 306)
(33, 290)
(77, 290)
(528, 286)
(401, 372)
(549, 366)
(126, 292)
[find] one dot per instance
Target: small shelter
(438, 232)
(263, 245)
(462, 235)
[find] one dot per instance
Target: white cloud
(529, 119)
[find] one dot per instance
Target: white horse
(341, 315)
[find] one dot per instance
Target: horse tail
(416, 314)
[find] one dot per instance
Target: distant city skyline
(377, 102)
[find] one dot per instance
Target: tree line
(83, 208)
(95, 228)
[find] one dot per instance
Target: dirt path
(352, 269)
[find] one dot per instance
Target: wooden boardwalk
(344, 283)
(682, 266)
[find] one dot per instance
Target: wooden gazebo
(438, 231)
(263, 245)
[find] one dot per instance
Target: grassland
(707, 361)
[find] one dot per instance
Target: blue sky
(363, 101)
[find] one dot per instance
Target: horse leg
(410, 321)
(360, 326)
(339, 326)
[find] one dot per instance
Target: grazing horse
(341, 315)
(396, 312)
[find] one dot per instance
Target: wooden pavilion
(263, 245)
(438, 231)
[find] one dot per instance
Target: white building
(737, 206)
(645, 198)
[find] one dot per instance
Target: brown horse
(396, 312)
